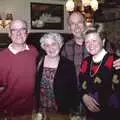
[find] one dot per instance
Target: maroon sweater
(17, 75)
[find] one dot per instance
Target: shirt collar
(100, 56)
(15, 51)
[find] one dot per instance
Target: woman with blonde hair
(99, 81)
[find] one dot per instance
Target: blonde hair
(97, 28)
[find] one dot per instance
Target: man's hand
(116, 64)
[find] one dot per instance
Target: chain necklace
(91, 65)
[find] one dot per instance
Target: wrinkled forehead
(17, 24)
(49, 41)
(76, 17)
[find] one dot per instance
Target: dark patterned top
(74, 52)
(101, 81)
(47, 98)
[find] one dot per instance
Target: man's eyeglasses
(21, 30)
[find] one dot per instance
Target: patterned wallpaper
(113, 32)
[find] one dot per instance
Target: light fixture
(70, 5)
(5, 21)
(86, 7)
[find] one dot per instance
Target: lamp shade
(70, 5)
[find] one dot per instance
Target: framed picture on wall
(47, 16)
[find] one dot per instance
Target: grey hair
(79, 14)
(53, 36)
(18, 20)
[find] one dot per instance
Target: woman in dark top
(100, 82)
(56, 84)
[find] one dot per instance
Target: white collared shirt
(16, 51)
(100, 56)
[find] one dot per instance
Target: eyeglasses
(21, 30)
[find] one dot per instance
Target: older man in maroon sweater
(17, 72)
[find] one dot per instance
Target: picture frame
(46, 16)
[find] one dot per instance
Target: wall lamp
(5, 21)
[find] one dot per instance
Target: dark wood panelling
(33, 38)
(4, 40)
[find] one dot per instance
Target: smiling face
(76, 24)
(51, 47)
(93, 43)
(18, 32)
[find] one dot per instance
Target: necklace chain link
(98, 67)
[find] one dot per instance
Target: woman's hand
(91, 103)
